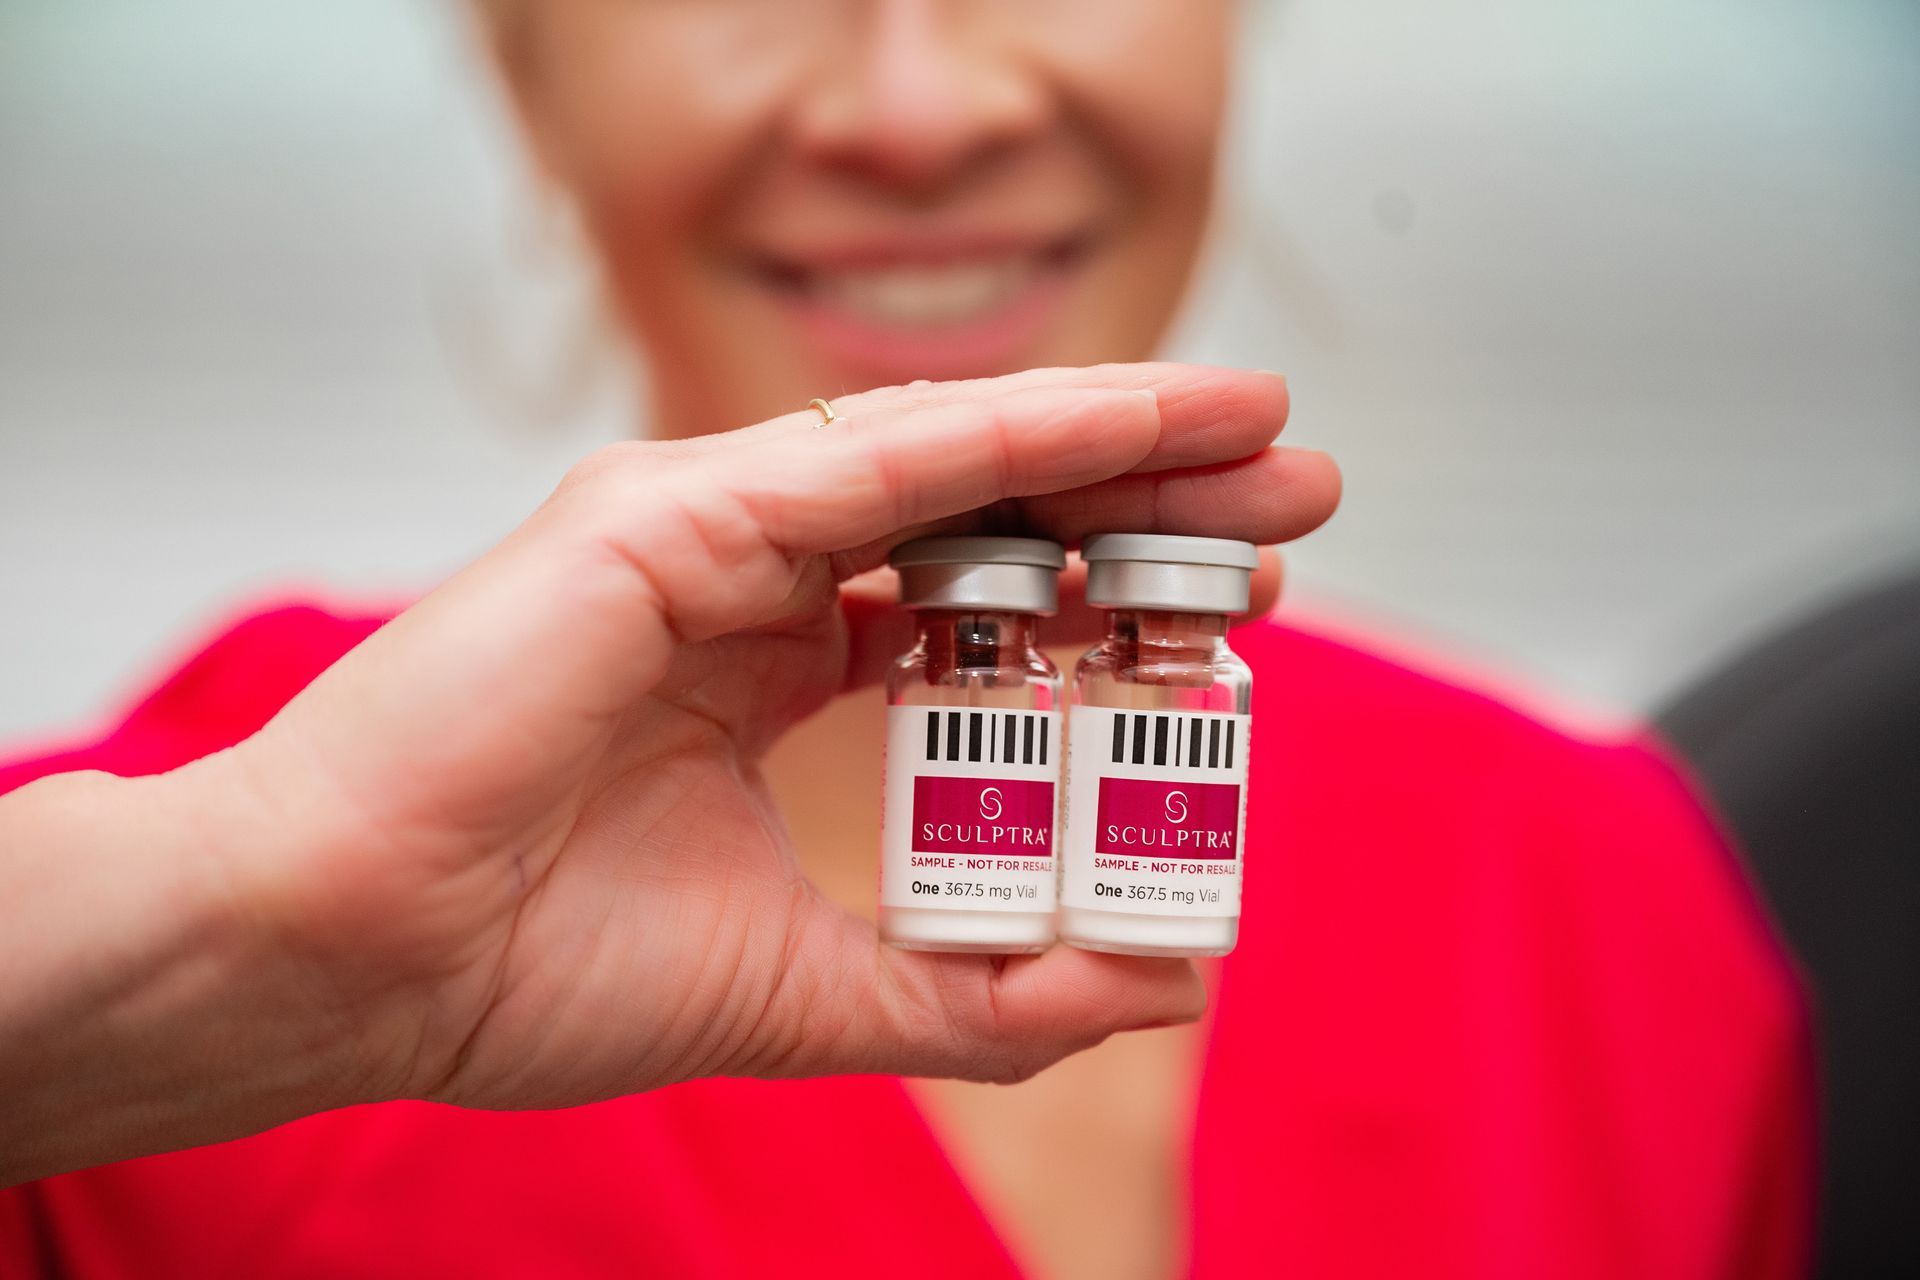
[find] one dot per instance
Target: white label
(969, 809)
(1156, 811)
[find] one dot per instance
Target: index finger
(1220, 413)
(906, 456)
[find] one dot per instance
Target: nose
(917, 96)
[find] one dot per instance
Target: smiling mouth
(924, 296)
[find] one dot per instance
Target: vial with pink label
(973, 750)
(1157, 751)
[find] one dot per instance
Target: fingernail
(1152, 396)
(1272, 373)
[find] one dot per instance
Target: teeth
(924, 296)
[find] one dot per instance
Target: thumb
(851, 1005)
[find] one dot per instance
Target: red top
(1503, 1006)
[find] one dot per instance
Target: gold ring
(827, 414)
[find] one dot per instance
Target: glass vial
(973, 750)
(1157, 751)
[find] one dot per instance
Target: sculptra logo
(1143, 818)
(981, 816)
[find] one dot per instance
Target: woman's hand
(515, 851)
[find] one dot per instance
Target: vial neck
(1158, 629)
(976, 638)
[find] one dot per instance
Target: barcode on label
(1197, 742)
(987, 737)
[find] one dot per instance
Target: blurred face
(807, 197)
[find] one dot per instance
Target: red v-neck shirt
(1503, 1005)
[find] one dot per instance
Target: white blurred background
(1609, 308)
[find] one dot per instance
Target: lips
(891, 316)
(924, 297)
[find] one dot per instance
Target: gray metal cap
(1164, 571)
(1019, 575)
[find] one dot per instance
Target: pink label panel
(1167, 819)
(983, 816)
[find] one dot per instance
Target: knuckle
(1017, 1065)
(618, 466)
